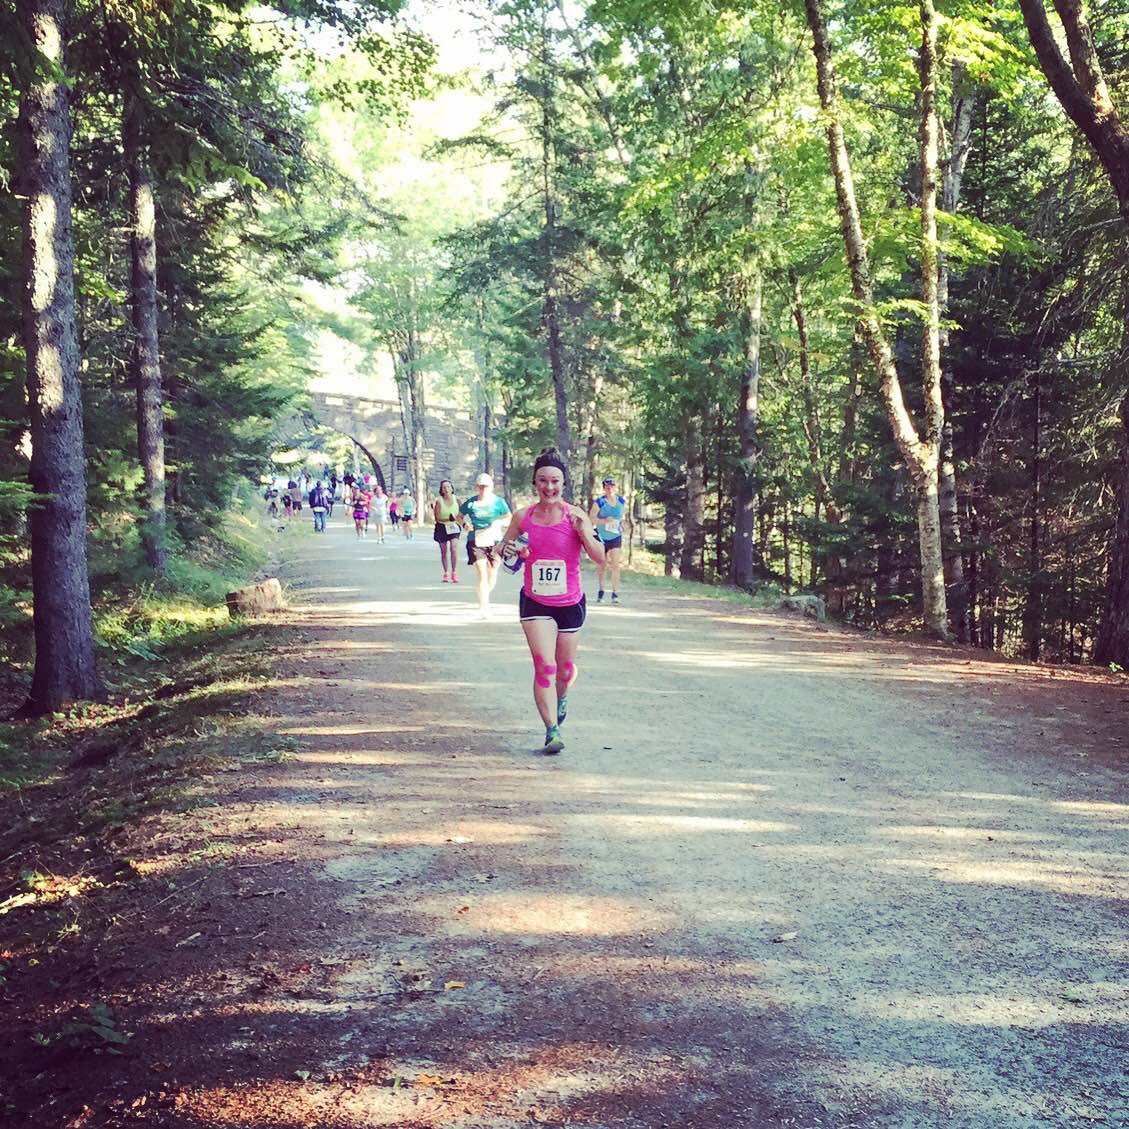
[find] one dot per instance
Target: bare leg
(482, 583)
(613, 568)
(541, 635)
(568, 643)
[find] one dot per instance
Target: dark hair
(550, 456)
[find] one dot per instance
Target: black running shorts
(568, 618)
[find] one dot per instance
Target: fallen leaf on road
(429, 1080)
(784, 937)
(459, 839)
(452, 984)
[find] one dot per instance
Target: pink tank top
(552, 570)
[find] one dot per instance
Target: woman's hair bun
(550, 451)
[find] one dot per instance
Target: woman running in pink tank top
(552, 605)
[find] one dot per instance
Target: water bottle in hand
(516, 552)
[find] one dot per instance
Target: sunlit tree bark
(920, 452)
(64, 637)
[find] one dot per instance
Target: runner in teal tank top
(608, 513)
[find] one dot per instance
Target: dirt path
(781, 876)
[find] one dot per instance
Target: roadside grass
(141, 615)
(646, 571)
(186, 688)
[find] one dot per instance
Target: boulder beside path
(812, 606)
(256, 599)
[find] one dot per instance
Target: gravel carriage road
(782, 875)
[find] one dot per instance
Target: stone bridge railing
(452, 439)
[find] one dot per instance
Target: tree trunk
(745, 507)
(592, 442)
(1112, 645)
(487, 427)
(550, 312)
(920, 453)
(1033, 605)
(1084, 94)
(952, 550)
(1081, 88)
(417, 392)
(693, 528)
(145, 358)
(64, 635)
(672, 546)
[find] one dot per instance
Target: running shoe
(454, 578)
(600, 596)
(446, 579)
(553, 742)
(615, 597)
(562, 709)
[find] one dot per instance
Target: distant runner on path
(485, 514)
(448, 528)
(552, 607)
(407, 513)
(360, 512)
(607, 514)
(378, 511)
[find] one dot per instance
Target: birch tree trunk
(1081, 88)
(145, 358)
(920, 453)
(748, 408)
(64, 636)
(956, 586)
(592, 442)
(550, 310)
(693, 527)
(418, 409)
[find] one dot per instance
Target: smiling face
(548, 482)
(609, 489)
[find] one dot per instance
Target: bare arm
(593, 546)
(513, 531)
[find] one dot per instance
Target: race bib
(452, 527)
(549, 578)
(484, 538)
(611, 527)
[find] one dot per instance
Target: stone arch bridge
(452, 440)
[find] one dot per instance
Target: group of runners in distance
(543, 540)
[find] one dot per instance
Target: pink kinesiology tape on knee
(566, 670)
(542, 670)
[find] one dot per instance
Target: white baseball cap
(484, 479)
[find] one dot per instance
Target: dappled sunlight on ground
(780, 876)
(638, 824)
(1043, 874)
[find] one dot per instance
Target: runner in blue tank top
(607, 515)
